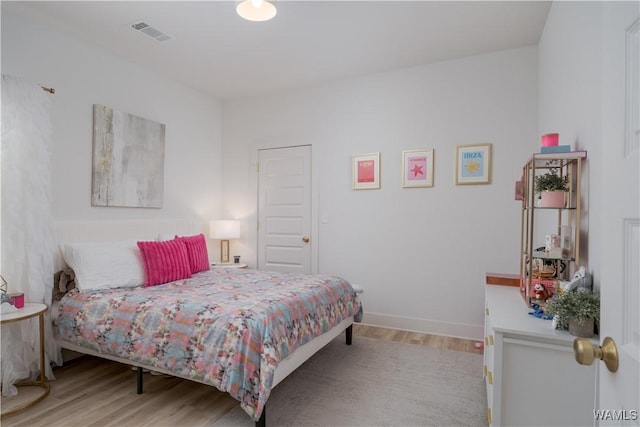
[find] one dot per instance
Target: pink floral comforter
(224, 327)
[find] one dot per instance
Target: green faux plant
(551, 181)
(573, 305)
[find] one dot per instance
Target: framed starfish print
(417, 168)
(473, 164)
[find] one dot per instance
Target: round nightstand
(27, 312)
(229, 265)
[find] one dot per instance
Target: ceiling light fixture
(256, 10)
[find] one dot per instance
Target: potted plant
(575, 310)
(552, 188)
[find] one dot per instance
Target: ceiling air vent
(148, 30)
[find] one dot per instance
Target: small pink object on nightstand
(17, 300)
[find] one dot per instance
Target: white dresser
(531, 376)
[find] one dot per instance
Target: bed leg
(139, 380)
(349, 334)
(262, 422)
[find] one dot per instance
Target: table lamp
(224, 230)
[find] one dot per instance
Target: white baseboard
(425, 326)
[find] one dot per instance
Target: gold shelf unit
(568, 164)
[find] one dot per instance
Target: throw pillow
(197, 250)
(164, 262)
(104, 265)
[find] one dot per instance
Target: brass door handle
(305, 239)
(585, 352)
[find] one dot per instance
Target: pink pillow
(164, 261)
(197, 250)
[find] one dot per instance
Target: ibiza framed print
(473, 164)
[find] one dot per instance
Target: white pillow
(104, 265)
(163, 237)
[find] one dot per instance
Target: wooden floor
(97, 392)
(434, 341)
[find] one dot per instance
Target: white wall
(582, 92)
(573, 100)
(570, 99)
(84, 75)
(420, 254)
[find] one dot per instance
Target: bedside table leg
(43, 378)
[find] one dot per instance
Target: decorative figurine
(540, 292)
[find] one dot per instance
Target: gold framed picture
(473, 164)
(365, 171)
(417, 168)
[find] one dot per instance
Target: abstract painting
(128, 160)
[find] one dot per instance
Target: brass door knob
(585, 352)
(305, 239)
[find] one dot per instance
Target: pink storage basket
(550, 140)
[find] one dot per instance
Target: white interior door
(619, 392)
(284, 209)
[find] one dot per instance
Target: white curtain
(26, 250)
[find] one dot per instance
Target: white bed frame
(100, 231)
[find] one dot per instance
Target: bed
(242, 331)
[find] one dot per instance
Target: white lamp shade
(256, 10)
(224, 229)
